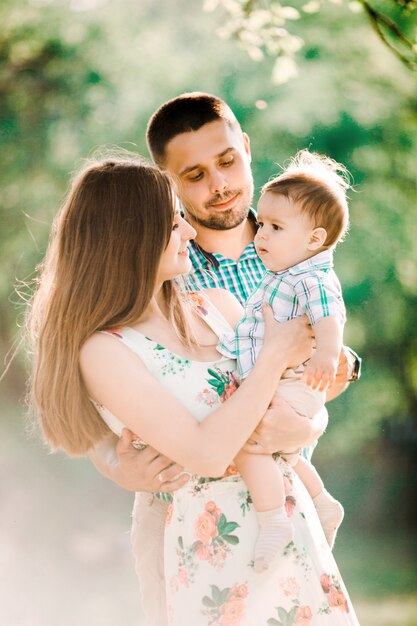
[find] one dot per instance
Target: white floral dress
(211, 526)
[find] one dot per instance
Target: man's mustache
(218, 198)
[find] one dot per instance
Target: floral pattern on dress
(223, 383)
(245, 500)
(213, 543)
(214, 535)
(170, 363)
(185, 569)
(335, 595)
(298, 557)
(225, 607)
(297, 615)
(198, 302)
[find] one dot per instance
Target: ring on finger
(139, 444)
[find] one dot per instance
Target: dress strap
(204, 307)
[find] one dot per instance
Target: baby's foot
(330, 513)
(275, 532)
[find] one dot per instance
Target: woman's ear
(317, 238)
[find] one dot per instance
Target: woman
(115, 336)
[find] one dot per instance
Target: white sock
(275, 532)
(330, 513)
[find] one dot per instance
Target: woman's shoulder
(105, 346)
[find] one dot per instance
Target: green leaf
(224, 595)
(220, 389)
(230, 526)
(273, 622)
(231, 539)
(283, 616)
(216, 594)
(159, 347)
(180, 543)
(291, 615)
(214, 374)
(222, 523)
(213, 383)
(208, 602)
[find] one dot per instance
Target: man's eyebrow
(189, 169)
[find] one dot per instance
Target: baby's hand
(320, 371)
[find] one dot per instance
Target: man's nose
(218, 183)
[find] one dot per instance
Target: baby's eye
(259, 224)
(276, 227)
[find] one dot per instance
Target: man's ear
(246, 145)
(317, 238)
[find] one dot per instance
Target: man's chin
(226, 220)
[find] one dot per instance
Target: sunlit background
(77, 75)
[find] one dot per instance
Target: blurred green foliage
(265, 28)
(78, 74)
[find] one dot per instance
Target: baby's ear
(317, 238)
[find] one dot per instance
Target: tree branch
(379, 21)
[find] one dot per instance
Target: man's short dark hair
(185, 113)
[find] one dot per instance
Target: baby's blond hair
(318, 185)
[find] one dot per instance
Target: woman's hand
(284, 429)
(292, 340)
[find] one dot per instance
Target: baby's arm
(263, 480)
(321, 369)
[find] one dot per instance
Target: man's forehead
(194, 149)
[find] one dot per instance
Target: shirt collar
(321, 261)
(202, 258)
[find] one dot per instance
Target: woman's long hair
(99, 272)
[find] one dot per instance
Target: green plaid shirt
(310, 287)
(214, 270)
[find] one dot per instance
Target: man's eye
(227, 163)
(196, 177)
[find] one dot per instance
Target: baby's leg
(302, 398)
(329, 510)
(266, 486)
(309, 476)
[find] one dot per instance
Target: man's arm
(135, 470)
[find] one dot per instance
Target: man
(197, 138)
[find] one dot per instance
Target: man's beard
(227, 219)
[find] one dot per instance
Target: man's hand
(134, 470)
(283, 429)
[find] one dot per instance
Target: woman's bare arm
(117, 378)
